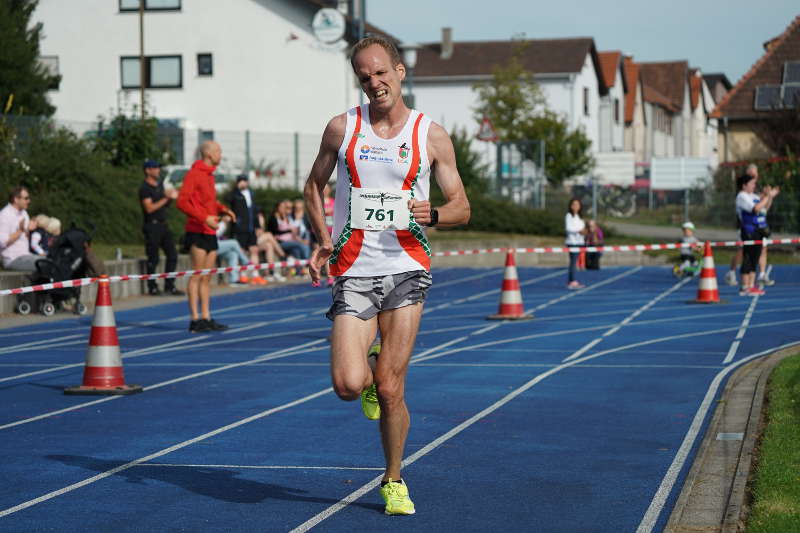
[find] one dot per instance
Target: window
(50, 64)
(150, 5)
(768, 97)
(586, 101)
(161, 72)
(205, 65)
(206, 135)
(791, 72)
(616, 110)
(791, 96)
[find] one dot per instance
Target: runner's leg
(350, 341)
(398, 333)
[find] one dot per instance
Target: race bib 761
(379, 209)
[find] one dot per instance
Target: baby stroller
(65, 260)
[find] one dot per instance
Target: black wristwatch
(434, 218)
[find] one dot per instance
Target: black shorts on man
(201, 240)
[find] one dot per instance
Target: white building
(567, 71)
(215, 68)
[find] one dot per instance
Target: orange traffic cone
(510, 295)
(707, 291)
(103, 371)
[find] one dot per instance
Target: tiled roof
(717, 77)
(695, 87)
(609, 61)
(668, 80)
(476, 58)
(738, 102)
(632, 77)
(652, 95)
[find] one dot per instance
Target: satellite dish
(328, 25)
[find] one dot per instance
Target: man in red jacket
(198, 199)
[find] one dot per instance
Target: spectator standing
(576, 230)
(751, 209)
(198, 199)
(15, 229)
(244, 229)
(594, 237)
(736, 259)
(40, 237)
(155, 201)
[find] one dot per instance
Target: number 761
(380, 214)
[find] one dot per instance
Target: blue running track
(584, 419)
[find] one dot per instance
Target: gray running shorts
(366, 297)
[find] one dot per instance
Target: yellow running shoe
(369, 403)
(395, 494)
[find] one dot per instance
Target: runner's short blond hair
(383, 42)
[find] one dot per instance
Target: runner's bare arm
(321, 171)
(456, 210)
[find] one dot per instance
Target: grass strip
(775, 488)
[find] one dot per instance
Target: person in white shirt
(15, 229)
(576, 229)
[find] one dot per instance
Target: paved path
(674, 233)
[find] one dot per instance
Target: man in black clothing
(244, 229)
(154, 202)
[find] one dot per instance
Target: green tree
(511, 98)
(129, 141)
(514, 103)
(23, 80)
(566, 151)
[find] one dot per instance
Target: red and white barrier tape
(450, 253)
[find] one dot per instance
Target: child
(594, 237)
(687, 252)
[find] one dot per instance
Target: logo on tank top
(402, 153)
(376, 154)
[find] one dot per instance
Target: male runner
(384, 153)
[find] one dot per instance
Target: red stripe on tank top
(350, 250)
(407, 240)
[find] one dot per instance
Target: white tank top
(369, 161)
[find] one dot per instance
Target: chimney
(447, 43)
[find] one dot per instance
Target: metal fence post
(297, 161)
(542, 163)
(246, 151)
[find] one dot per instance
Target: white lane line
(626, 347)
(266, 467)
(286, 352)
(667, 483)
(627, 320)
(572, 294)
(375, 481)
(492, 291)
(160, 453)
(746, 322)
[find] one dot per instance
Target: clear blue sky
(715, 35)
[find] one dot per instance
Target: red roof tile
(668, 80)
(738, 102)
(632, 78)
(695, 87)
(609, 61)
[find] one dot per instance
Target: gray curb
(713, 498)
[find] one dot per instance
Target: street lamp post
(410, 61)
